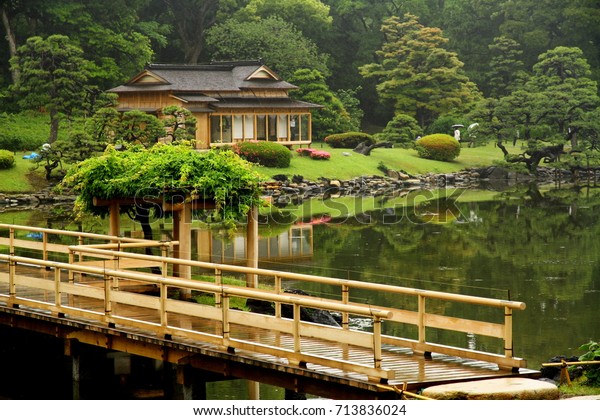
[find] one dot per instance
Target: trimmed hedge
(438, 147)
(269, 154)
(7, 159)
(348, 140)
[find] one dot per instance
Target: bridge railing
(422, 318)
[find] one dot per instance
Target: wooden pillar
(73, 353)
(253, 390)
(193, 387)
(182, 232)
(114, 219)
(252, 246)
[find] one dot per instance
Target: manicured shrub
(438, 147)
(7, 159)
(304, 151)
(272, 155)
(348, 140)
(320, 155)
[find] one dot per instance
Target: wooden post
(421, 314)
(12, 288)
(345, 300)
(296, 320)
(252, 246)
(183, 229)
(508, 339)
(114, 219)
(377, 342)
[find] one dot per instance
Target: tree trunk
(54, 122)
(365, 149)
(12, 45)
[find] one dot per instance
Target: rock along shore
(283, 190)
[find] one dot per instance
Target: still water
(536, 245)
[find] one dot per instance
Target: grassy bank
(23, 177)
(345, 164)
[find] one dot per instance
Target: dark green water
(539, 246)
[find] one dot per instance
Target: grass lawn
(20, 178)
(345, 164)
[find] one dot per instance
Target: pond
(537, 245)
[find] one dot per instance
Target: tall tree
(507, 71)
(54, 77)
(191, 20)
(281, 46)
(417, 75)
(109, 32)
(311, 17)
(333, 117)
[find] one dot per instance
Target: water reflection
(536, 245)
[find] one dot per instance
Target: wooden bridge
(107, 291)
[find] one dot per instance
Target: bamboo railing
(110, 262)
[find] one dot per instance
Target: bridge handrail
(420, 318)
(295, 326)
(499, 303)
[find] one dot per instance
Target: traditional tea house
(232, 101)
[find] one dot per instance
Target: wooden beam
(252, 246)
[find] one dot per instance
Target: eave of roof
(215, 77)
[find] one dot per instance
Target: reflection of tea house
(294, 243)
(232, 101)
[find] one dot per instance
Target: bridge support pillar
(193, 387)
(73, 353)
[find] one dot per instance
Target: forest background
(524, 69)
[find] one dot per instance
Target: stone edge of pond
(283, 190)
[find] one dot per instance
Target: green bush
(348, 140)
(592, 353)
(25, 131)
(272, 155)
(438, 147)
(7, 159)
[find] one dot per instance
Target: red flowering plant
(304, 151)
(320, 155)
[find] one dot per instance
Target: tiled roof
(214, 77)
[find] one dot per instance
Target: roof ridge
(213, 65)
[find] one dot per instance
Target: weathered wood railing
(112, 272)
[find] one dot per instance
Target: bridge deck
(411, 370)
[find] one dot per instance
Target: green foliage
(54, 77)
(24, 131)
(310, 15)
(269, 154)
(592, 372)
(333, 117)
(274, 40)
(137, 127)
(169, 172)
(441, 147)
(348, 140)
(417, 75)
(402, 129)
(179, 123)
(7, 159)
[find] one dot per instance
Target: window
(249, 127)
(271, 127)
(282, 127)
(220, 129)
(238, 127)
(261, 127)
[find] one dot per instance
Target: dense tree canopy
(429, 66)
(417, 75)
